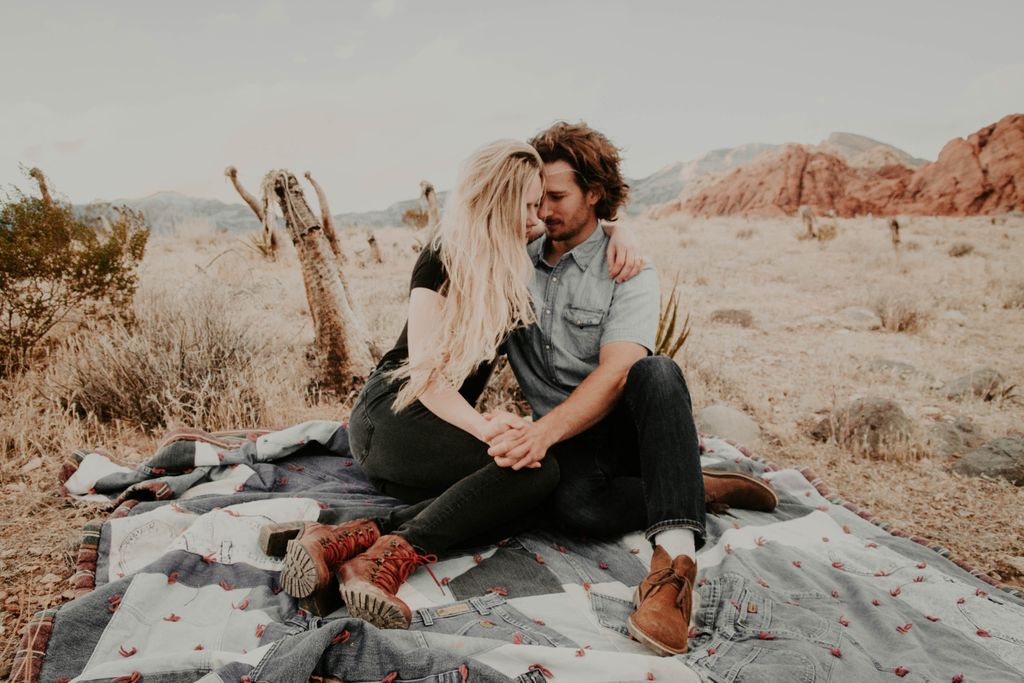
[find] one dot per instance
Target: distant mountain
(669, 182)
(166, 210)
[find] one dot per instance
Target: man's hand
(521, 447)
(624, 259)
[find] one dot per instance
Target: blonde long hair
(481, 242)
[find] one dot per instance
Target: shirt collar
(583, 253)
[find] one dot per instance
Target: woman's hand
(624, 259)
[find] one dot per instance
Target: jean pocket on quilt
(611, 612)
(487, 617)
(747, 663)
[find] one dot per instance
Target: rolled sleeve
(633, 313)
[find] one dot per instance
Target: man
(618, 419)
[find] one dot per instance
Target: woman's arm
(624, 259)
(441, 398)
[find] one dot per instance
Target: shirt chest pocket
(583, 331)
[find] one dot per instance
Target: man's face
(566, 209)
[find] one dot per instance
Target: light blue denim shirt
(579, 309)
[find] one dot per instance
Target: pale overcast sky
(123, 99)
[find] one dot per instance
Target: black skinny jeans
(639, 468)
(455, 491)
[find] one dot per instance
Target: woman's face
(533, 196)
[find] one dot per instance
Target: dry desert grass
(244, 330)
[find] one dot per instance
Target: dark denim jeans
(639, 468)
(456, 491)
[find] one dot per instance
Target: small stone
(727, 422)
(1000, 458)
(733, 316)
(857, 318)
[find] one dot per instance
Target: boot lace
(348, 544)
(666, 576)
(393, 567)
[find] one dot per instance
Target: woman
(414, 429)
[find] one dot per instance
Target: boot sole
(719, 474)
(274, 538)
(373, 607)
(659, 648)
(299, 575)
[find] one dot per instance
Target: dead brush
(668, 341)
(900, 313)
(191, 359)
(263, 243)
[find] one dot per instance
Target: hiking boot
(316, 551)
(370, 581)
(663, 602)
(723, 490)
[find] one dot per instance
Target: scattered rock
(872, 426)
(949, 438)
(857, 318)
(983, 383)
(733, 316)
(727, 422)
(998, 458)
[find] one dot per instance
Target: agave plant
(668, 341)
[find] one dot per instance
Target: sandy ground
(786, 370)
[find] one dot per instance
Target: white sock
(677, 542)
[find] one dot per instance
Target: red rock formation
(980, 175)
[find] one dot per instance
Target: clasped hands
(515, 441)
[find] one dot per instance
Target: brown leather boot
(370, 581)
(724, 490)
(663, 602)
(318, 550)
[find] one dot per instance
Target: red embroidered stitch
(500, 590)
(546, 672)
(836, 652)
(980, 593)
(929, 617)
(904, 628)
(844, 621)
(797, 564)
(711, 651)
(478, 559)
(835, 594)
(895, 592)
(135, 677)
(127, 653)
(580, 652)
(390, 678)
(918, 579)
(760, 541)
(635, 551)
(172, 617)
(901, 671)
(260, 630)
(983, 633)
(242, 605)
(586, 585)
(846, 529)
(539, 558)
(957, 678)
(341, 638)
(650, 676)
(922, 565)
(838, 565)
(881, 573)
(296, 468)
(875, 602)
(225, 585)
(210, 559)
(824, 539)
(764, 635)
(445, 580)
(538, 621)
(763, 583)
(602, 564)
(198, 647)
(517, 639)
(871, 545)
(961, 601)
(232, 513)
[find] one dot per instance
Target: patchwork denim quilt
(173, 587)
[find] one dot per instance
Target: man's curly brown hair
(594, 158)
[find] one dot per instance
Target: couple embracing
(526, 261)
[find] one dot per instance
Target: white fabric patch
(206, 454)
(92, 468)
(277, 444)
(231, 534)
(156, 618)
(223, 482)
(138, 540)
